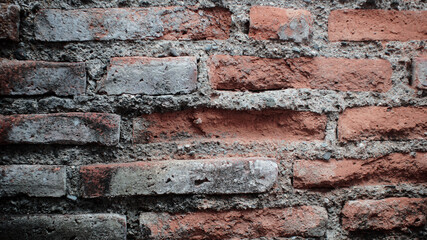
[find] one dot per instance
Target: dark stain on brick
(103, 124)
(12, 75)
(9, 22)
(95, 180)
(6, 124)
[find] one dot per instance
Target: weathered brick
(307, 221)
(9, 22)
(255, 74)
(216, 176)
(169, 23)
(62, 128)
(81, 226)
(395, 168)
(32, 180)
(372, 24)
(386, 214)
(38, 77)
(229, 125)
(382, 123)
(279, 23)
(419, 72)
(151, 76)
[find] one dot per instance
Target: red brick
(386, 214)
(387, 25)
(229, 125)
(392, 169)
(419, 72)
(60, 128)
(306, 221)
(255, 74)
(9, 22)
(168, 23)
(381, 123)
(38, 77)
(205, 176)
(279, 23)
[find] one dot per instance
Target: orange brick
(256, 74)
(381, 123)
(372, 24)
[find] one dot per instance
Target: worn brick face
(392, 169)
(386, 214)
(306, 221)
(168, 23)
(217, 176)
(381, 123)
(64, 226)
(213, 119)
(151, 76)
(279, 23)
(372, 24)
(255, 74)
(229, 125)
(9, 22)
(419, 72)
(60, 128)
(32, 180)
(38, 77)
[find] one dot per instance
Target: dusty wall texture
(213, 119)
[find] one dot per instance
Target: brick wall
(237, 119)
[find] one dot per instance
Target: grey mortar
(97, 56)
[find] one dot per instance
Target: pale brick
(33, 180)
(60, 128)
(169, 23)
(151, 76)
(419, 72)
(38, 77)
(64, 226)
(216, 176)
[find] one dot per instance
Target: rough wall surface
(213, 119)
